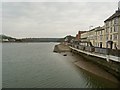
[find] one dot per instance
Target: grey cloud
(53, 19)
(0, 18)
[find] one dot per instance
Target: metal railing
(105, 51)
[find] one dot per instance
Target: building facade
(107, 36)
(78, 35)
(91, 35)
(112, 31)
(84, 36)
(95, 36)
(99, 37)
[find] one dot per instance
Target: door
(100, 44)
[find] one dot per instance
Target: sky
(53, 19)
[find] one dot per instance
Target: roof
(80, 32)
(100, 29)
(116, 14)
(96, 28)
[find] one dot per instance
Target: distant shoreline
(29, 42)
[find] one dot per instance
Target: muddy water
(35, 65)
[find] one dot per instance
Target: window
(110, 37)
(101, 37)
(115, 46)
(115, 28)
(115, 36)
(107, 24)
(111, 29)
(107, 30)
(111, 23)
(95, 37)
(116, 21)
(107, 37)
(101, 32)
(96, 33)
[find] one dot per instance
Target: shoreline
(29, 42)
(90, 67)
(97, 71)
(61, 48)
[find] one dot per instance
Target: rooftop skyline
(53, 19)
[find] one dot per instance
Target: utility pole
(119, 6)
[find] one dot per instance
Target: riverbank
(109, 66)
(93, 68)
(96, 70)
(61, 48)
(89, 66)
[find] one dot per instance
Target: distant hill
(42, 39)
(6, 37)
(11, 39)
(69, 38)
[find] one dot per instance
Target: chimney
(119, 6)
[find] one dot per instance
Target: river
(35, 65)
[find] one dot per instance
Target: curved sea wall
(61, 48)
(106, 68)
(110, 66)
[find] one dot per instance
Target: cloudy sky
(53, 19)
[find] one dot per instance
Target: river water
(35, 65)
